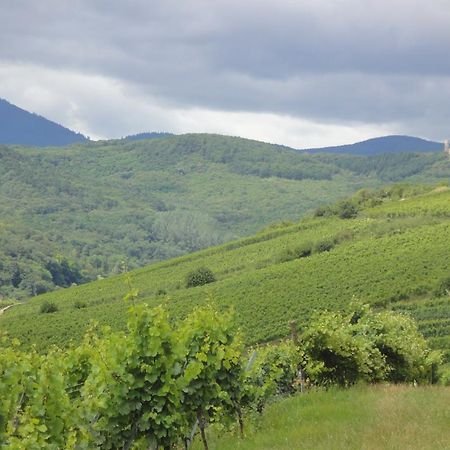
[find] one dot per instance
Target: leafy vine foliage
(147, 387)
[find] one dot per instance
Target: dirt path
(4, 309)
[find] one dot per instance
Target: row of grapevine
(139, 389)
(147, 387)
(382, 270)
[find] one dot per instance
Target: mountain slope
(385, 144)
(392, 253)
(21, 127)
(72, 214)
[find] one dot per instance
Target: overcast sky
(300, 73)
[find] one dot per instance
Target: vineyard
(153, 385)
(391, 262)
(146, 358)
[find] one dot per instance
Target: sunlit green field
(369, 418)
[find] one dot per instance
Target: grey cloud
(331, 61)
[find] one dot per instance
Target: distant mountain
(385, 144)
(21, 127)
(151, 135)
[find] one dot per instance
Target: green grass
(379, 417)
(390, 262)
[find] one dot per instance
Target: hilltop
(384, 144)
(72, 214)
(18, 126)
(387, 247)
(147, 135)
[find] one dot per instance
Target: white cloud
(102, 107)
(296, 72)
(275, 128)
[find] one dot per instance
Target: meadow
(377, 417)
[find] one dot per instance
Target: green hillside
(72, 214)
(392, 252)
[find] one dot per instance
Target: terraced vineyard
(433, 317)
(394, 255)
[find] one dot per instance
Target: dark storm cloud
(336, 61)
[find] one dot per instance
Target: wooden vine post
(296, 341)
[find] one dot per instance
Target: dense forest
(73, 214)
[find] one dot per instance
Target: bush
(324, 245)
(304, 250)
(301, 251)
(48, 307)
(347, 210)
(199, 277)
(443, 288)
(444, 377)
(274, 372)
(360, 344)
(344, 235)
(323, 211)
(79, 304)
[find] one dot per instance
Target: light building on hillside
(447, 147)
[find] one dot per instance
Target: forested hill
(149, 135)
(72, 214)
(385, 144)
(18, 126)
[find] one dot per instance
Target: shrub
(443, 288)
(344, 235)
(323, 211)
(274, 372)
(301, 251)
(199, 277)
(48, 307)
(347, 210)
(324, 245)
(79, 304)
(444, 377)
(360, 344)
(304, 250)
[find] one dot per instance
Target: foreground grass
(379, 417)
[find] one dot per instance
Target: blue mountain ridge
(21, 127)
(384, 144)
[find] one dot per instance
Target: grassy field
(391, 261)
(361, 418)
